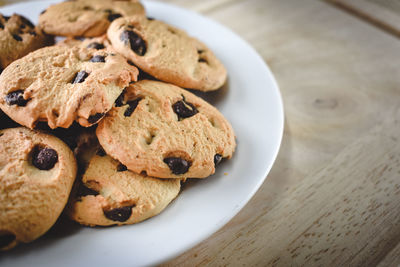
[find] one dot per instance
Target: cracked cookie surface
(61, 85)
(88, 18)
(167, 53)
(37, 171)
(109, 194)
(18, 37)
(166, 132)
(97, 43)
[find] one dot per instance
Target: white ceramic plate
(251, 102)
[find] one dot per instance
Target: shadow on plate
(62, 228)
(213, 97)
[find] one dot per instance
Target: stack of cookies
(100, 123)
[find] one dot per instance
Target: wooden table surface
(332, 197)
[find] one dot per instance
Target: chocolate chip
(184, 109)
(201, 59)
(100, 152)
(171, 30)
(32, 33)
(150, 18)
(87, 8)
(217, 159)
(83, 190)
(43, 11)
(119, 214)
(79, 38)
(6, 18)
(120, 100)
(16, 98)
(96, 117)
(121, 168)
(98, 58)
(80, 77)
(6, 239)
(44, 158)
(177, 165)
(17, 37)
(1, 26)
(22, 26)
(114, 16)
(108, 11)
(96, 45)
(137, 44)
(132, 106)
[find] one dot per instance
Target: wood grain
(354, 206)
(332, 216)
(382, 13)
(339, 77)
(392, 258)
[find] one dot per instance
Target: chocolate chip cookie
(37, 171)
(109, 194)
(60, 85)
(18, 37)
(98, 43)
(167, 53)
(166, 132)
(88, 18)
